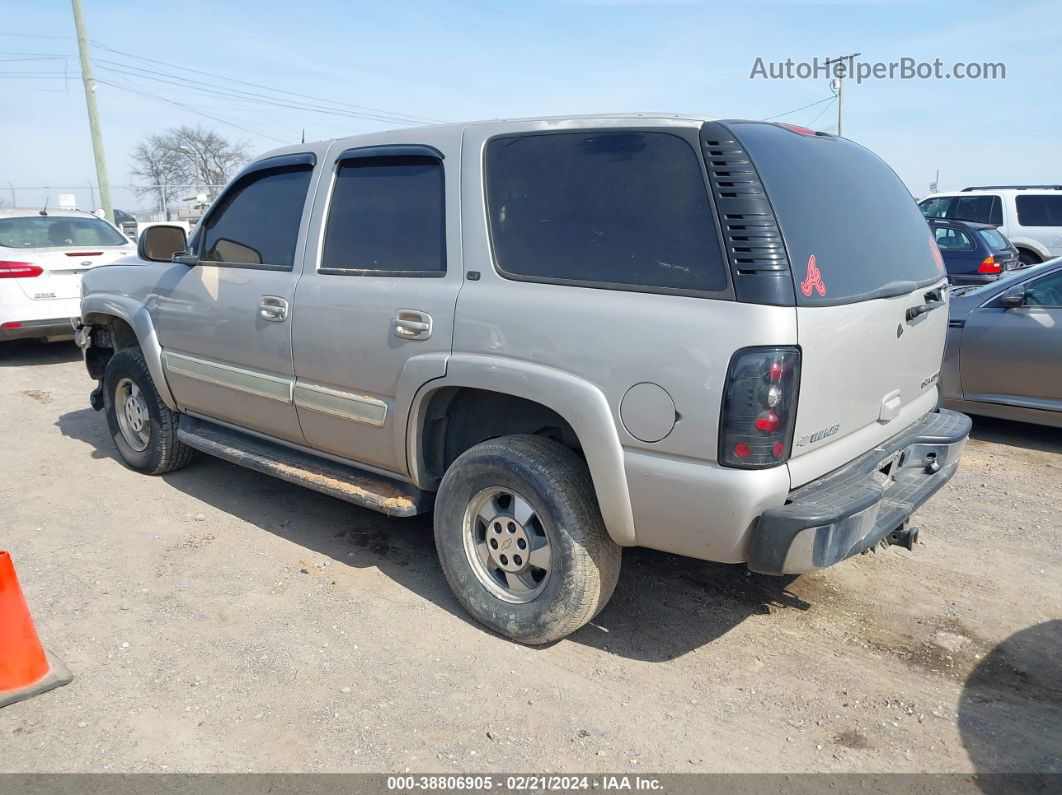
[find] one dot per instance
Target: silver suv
(720, 339)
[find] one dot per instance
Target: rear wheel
(143, 427)
(521, 539)
(1027, 257)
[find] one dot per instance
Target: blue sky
(471, 59)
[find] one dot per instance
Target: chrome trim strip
(262, 385)
(358, 408)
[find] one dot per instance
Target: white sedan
(42, 257)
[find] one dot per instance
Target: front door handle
(273, 308)
(411, 324)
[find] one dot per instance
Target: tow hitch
(902, 536)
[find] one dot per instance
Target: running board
(370, 490)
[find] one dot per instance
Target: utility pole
(93, 115)
(838, 85)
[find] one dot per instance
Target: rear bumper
(853, 508)
(33, 329)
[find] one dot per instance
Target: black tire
(163, 452)
(1028, 258)
(585, 561)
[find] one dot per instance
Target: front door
(224, 323)
(1012, 356)
(374, 310)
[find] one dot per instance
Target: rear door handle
(411, 324)
(273, 308)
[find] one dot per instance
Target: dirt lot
(219, 620)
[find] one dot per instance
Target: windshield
(58, 232)
(851, 227)
(994, 239)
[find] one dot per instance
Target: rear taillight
(989, 265)
(759, 407)
(19, 270)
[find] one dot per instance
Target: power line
(239, 94)
(190, 108)
(803, 107)
(378, 111)
(818, 115)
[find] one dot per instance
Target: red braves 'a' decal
(937, 257)
(814, 279)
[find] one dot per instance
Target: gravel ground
(219, 620)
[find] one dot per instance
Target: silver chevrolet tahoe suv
(720, 339)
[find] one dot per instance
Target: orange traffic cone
(26, 669)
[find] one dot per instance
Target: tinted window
(840, 203)
(257, 220)
(953, 239)
(387, 214)
(936, 208)
(979, 209)
(994, 239)
(1043, 210)
(621, 208)
(1045, 292)
(57, 231)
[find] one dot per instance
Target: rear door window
(979, 209)
(949, 239)
(387, 216)
(616, 209)
(851, 227)
(257, 221)
(1039, 210)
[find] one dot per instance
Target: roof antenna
(303, 135)
(44, 210)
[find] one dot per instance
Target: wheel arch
(579, 405)
(122, 316)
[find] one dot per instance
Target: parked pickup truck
(720, 339)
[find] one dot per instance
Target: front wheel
(143, 427)
(521, 539)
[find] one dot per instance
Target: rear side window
(949, 239)
(57, 231)
(387, 216)
(979, 209)
(257, 221)
(851, 227)
(994, 240)
(621, 209)
(1042, 210)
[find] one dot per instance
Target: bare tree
(158, 166)
(183, 159)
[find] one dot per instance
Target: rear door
(225, 322)
(374, 311)
(870, 291)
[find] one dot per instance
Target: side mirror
(159, 243)
(1013, 298)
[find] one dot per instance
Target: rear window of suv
(624, 209)
(840, 204)
(58, 231)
